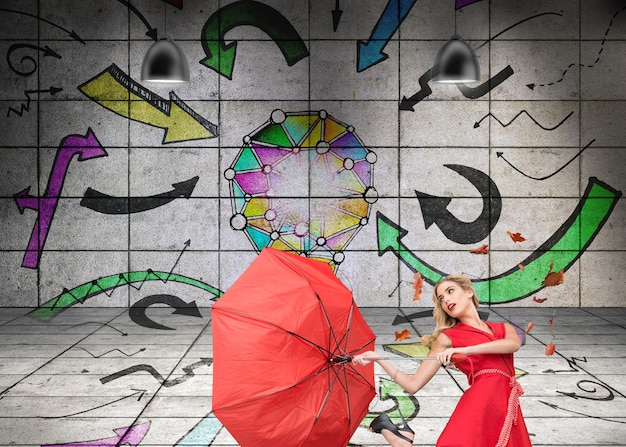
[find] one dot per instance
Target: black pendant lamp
(165, 62)
(456, 62)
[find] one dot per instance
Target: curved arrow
(71, 33)
(434, 209)
(80, 293)
(152, 32)
(563, 248)
(126, 435)
(137, 311)
(116, 91)
(106, 204)
(221, 56)
(47, 52)
(500, 155)
(371, 52)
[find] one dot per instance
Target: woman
(488, 413)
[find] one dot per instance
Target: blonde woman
(488, 413)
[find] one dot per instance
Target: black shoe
(383, 422)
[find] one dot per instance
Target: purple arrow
(127, 435)
(460, 3)
(86, 147)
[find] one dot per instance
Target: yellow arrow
(116, 91)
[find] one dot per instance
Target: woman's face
(453, 299)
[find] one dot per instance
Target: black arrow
(468, 92)
(26, 107)
(485, 87)
(137, 312)
(47, 52)
(336, 15)
(556, 407)
(401, 319)
(71, 33)
(152, 32)
(150, 369)
(434, 209)
(106, 204)
(425, 91)
(545, 177)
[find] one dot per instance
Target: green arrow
(80, 293)
(221, 56)
(406, 404)
(563, 248)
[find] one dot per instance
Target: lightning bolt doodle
(26, 107)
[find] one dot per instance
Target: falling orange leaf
(402, 335)
(482, 250)
(539, 300)
(553, 278)
(550, 348)
(418, 282)
(521, 267)
(530, 327)
(551, 324)
(516, 237)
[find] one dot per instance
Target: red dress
(488, 414)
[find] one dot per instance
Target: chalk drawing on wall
(85, 147)
(563, 248)
(434, 209)
(220, 56)
(302, 182)
(116, 91)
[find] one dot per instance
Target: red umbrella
(283, 337)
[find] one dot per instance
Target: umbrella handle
(456, 358)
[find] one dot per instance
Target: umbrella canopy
(283, 335)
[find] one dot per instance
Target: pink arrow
(127, 435)
(86, 147)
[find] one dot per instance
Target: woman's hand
(365, 358)
(445, 356)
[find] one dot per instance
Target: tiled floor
(86, 375)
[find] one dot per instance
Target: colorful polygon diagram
(302, 182)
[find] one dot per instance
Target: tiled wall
(328, 138)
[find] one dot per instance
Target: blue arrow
(203, 434)
(371, 52)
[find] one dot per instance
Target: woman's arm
(507, 345)
(411, 383)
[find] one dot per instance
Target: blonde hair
(442, 319)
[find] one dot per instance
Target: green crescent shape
(563, 248)
(221, 56)
(80, 293)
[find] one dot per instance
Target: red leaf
(482, 250)
(539, 300)
(530, 327)
(554, 278)
(402, 335)
(521, 267)
(550, 348)
(516, 237)
(418, 282)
